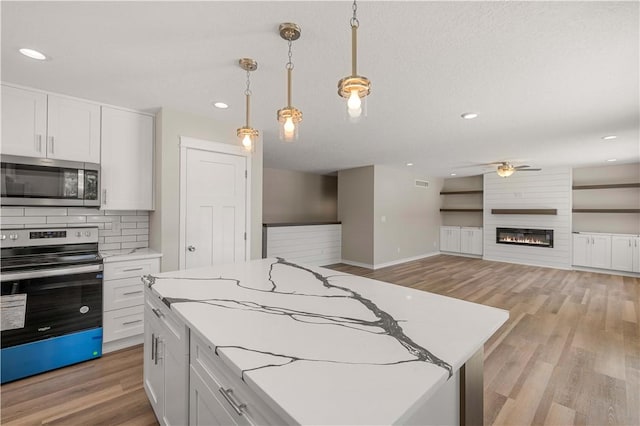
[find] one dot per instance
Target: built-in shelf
(606, 210)
(460, 210)
(475, 191)
(607, 186)
(525, 211)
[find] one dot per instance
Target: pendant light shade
(354, 87)
(289, 117)
(247, 135)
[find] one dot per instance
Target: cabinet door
(636, 254)
(465, 241)
(476, 241)
(622, 253)
(176, 386)
(24, 122)
(454, 240)
(152, 368)
(444, 239)
(581, 249)
(73, 130)
(127, 160)
(601, 251)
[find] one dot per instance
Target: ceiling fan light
(505, 170)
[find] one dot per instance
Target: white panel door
(215, 208)
(622, 253)
(601, 251)
(581, 249)
(73, 130)
(24, 122)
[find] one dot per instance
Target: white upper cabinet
(35, 124)
(24, 122)
(127, 160)
(73, 130)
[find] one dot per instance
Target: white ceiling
(549, 79)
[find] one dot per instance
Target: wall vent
(422, 183)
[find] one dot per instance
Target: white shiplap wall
(547, 189)
(315, 245)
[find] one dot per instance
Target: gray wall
(355, 211)
(461, 201)
(290, 196)
(624, 198)
(407, 218)
(164, 229)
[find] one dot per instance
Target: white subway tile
(134, 218)
(109, 233)
(144, 237)
(108, 225)
(139, 244)
(23, 220)
(112, 246)
(128, 225)
(66, 219)
(120, 212)
(143, 213)
(135, 231)
(12, 226)
(85, 225)
(45, 211)
(100, 240)
(103, 219)
(84, 211)
(11, 211)
(143, 224)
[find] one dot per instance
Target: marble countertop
(128, 254)
(325, 347)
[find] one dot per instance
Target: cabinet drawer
(130, 268)
(123, 293)
(207, 406)
(123, 323)
(220, 379)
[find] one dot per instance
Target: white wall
(164, 232)
(548, 189)
(355, 211)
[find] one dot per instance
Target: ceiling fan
(506, 169)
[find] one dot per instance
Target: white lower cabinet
(456, 239)
(166, 360)
(123, 301)
(592, 250)
(625, 253)
(218, 397)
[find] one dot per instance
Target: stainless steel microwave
(28, 181)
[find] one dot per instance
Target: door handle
(153, 346)
(191, 249)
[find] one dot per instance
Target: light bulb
(289, 127)
(246, 142)
(354, 101)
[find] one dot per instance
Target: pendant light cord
(289, 67)
(354, 39)
(247, 93)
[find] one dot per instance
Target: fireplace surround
(525, 237)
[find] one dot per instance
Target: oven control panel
(47, 236)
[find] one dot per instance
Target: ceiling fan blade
(529, 170)
(521, 167)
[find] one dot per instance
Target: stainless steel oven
(45, 182)
(51, 301)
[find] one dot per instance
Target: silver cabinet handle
(104, 196)
(51, 144)
(228, 395)
(38, 143)
(191, 249)
(629, 243)
(132, 269)
(153, 346)
(131, 292)
(158, 313)
(156, 351)
(131, 322)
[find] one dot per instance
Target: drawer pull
(131, 292)
(157, 312)
(156, 350)
(228, 395)
(133, 269)
(131, 322)
(153, 346)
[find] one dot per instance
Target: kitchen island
(273, 342)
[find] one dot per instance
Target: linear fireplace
(525, 237)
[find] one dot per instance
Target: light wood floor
(569, 354)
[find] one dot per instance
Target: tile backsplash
(125, 229)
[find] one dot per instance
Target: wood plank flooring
(569, 354)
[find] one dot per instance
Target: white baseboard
(473, 256)
(606, 271)
(116, 345)
(392, 263)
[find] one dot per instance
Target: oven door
(41, 304)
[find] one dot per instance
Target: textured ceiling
(548, 79)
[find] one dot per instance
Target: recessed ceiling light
(220, 105)
(469, 115)
(611, 160)
(453, 174)
(33, 54)
(610, 137)
(409, 164)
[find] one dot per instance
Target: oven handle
(43, 273)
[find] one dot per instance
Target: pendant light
(289, 117)
(247, 135)
(354, 87)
